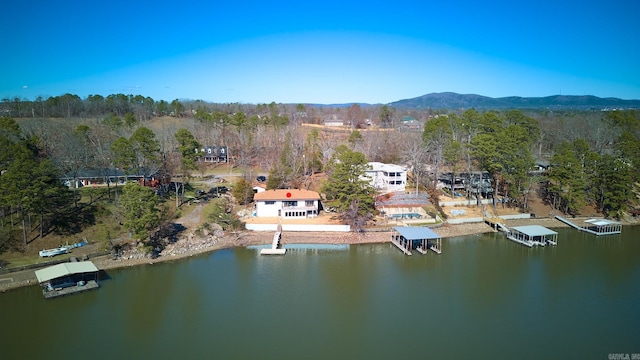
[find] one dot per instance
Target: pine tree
(347, 190)
(188, 148)
(141, 209)
(242, 192)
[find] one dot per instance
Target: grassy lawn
(98, 224)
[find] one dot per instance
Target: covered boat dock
(420, 238)
(533, 235)
(602, 227)
(67, 278)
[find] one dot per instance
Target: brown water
(484, 297)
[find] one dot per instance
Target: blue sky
(323, 52)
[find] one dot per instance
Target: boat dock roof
(65, 269)
(601, 222)
(416, 233)
(534, 230)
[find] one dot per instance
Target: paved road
(17, 279)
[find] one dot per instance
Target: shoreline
(190, 246)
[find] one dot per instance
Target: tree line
(601, 168)
(594, 156)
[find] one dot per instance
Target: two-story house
(387, 177)
(213, 153)
(287, 203)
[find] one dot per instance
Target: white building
(289, 203)
(387, 177)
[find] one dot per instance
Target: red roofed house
(287, 203)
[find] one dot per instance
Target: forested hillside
(448, 100)
(593, 156)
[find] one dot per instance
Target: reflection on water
(484, 296)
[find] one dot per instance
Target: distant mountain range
(449, 100)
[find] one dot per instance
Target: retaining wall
(479, 219)
(471, 202)
(516, 216)
(465, 220)
(298, 227)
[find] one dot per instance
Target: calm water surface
(483, 297)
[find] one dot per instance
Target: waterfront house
(386, 177)
(97, 177)
(287, 203)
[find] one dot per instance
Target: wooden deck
(50, 294)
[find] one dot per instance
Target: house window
(290, 203)
(269, 202)
(294, 214)
(308, 203)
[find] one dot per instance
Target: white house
(258, 188)
(387, 177)
(287, 203)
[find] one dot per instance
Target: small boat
(53, 252)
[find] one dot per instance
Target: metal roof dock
(67, 278)
(533, 235)
(420, 238)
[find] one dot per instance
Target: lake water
(484, 297)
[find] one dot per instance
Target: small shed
(420, 238)
(532, 235)
(67, 278)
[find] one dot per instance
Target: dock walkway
(602, 227)
(496, 223)
(275, 249)
(561, 219)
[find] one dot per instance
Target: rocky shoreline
(191, 244)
